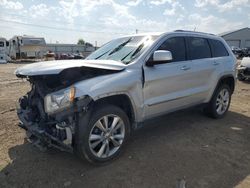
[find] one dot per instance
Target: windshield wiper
(126, 55)
(120, 46)
(136, 51)
(102, 54)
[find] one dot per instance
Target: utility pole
(136, 31)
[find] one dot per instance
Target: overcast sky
(66, 21)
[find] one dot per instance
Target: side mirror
(160, 56)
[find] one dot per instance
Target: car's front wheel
(103, 138)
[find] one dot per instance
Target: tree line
(82, 42)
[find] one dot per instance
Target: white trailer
(27, 47)
(4, 46)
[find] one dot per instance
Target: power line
(62, 29)
(61, 22)
(47, 20)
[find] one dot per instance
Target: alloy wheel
(222, 101)
(107, 136)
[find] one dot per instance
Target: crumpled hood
(55, 67)
(245, 62)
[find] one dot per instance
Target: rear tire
(220, 102)
(103, 137)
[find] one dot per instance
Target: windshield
(123, 49)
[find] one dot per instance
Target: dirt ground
(208, 153)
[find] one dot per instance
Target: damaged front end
(49, 111)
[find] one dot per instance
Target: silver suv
(91, 106)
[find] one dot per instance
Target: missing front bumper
(40, 137)
(52, 130)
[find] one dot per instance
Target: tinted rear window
(218, 48)
(176, 46)
(198, 48)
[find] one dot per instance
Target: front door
(167, 85)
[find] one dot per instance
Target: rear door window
(218, 48)
(198, 48)
(176, 46)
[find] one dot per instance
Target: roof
(194, 32)
(30, 40)
(169, 32)
(33, 41)
(232, 31)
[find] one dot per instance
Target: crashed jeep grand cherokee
(90, 106)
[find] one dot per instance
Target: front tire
(220, 102)
(104, 136)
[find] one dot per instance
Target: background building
(69, 49)
(239, 38)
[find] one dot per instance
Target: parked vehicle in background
(27, 47)
(91, 106)
(240, 53)
(78, 55)
(244, 69)
(246, 52)
(50, 56)
(63, 56)
(4, 48)
(69, 56)
(237, 51)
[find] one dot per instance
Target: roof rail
(193, 32)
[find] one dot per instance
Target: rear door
(167, 86)
(205, 67)
(220, 59)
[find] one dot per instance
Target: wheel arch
(121, 100)
(229, 80)
(226, 79)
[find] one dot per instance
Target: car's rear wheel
(220, 102)
(103, 138)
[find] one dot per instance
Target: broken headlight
(59, 100)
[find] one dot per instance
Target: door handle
(185, 68)
(215, 63)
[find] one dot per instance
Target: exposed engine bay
(54, 129)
